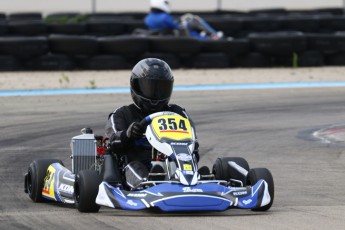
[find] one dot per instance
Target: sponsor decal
(132, 203)
(184, 157)
(189, 189)
(187, 167)
(240, 193)
(48, 186)
(66, 188)
(178, 143)
(188, 172)
(246, 202)
(137, 195)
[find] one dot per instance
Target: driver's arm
(121, 132)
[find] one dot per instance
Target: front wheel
(254, 176)
(233, 169)
(34, 180)
(86, 189)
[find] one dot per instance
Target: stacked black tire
(107, 41)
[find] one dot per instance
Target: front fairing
(209, 196)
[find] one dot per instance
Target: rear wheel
(35, 177)
(86, 189)
(233, 169)
(254, 176)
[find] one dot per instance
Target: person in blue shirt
(160, 19)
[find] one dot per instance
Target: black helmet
(151, 84)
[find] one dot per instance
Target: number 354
(172, 124)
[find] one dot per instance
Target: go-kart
(181, 186)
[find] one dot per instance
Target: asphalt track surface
(270, 128)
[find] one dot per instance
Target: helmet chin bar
(146, 105)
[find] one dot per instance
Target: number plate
(172, 127)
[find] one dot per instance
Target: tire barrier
(58, 52)
(102, 41)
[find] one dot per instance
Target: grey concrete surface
(270, 128)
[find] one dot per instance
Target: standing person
(151, 86)
(160, 19)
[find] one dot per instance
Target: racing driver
(151, 86)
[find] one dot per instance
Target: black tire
(336, 59)
(332, 23)
(126, 45)
(132, 24)
(73, 44)
(311, 58)
(254, 176)
(211, 60)
(9, 63)
(261, 24)
(279, 43)
(69, 28)
(233, 48)
(3, 27)
(35, 178)
(224, 171)
(27, 28)
(86, 189)
(105, 27)
(24, 48)
(102, 62)
(253, 60)
(268, 12)
(229, 25)
(3, 17)
(25, 16)
(169, 58)
(304, 23)
(175, 45)
(50, 62)
(327, 44)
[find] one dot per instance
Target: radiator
(84, 151)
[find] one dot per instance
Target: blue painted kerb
(40, 92)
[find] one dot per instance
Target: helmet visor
(153, 89)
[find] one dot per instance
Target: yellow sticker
(48, 187)
(187, 167)
(172, 127)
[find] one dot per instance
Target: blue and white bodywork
(183, 189)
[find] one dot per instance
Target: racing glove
(135, 131)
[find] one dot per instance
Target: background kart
(181, 186)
